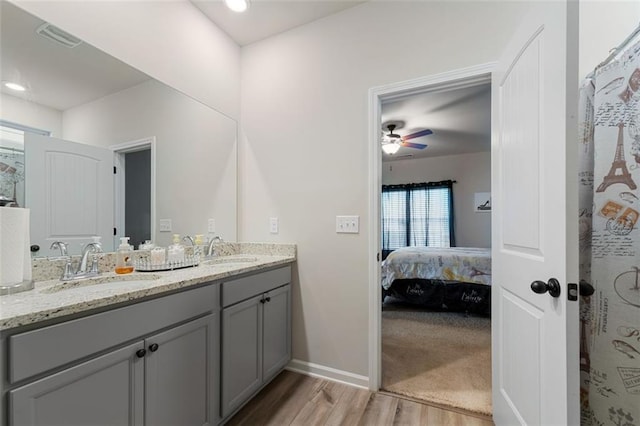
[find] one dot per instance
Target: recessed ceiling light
(237, 5)
(14, 86)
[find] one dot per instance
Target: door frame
(119, 152)
(456, 79)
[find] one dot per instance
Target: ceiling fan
(392, 142)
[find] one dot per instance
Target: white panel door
(69, 189)
(534, 179)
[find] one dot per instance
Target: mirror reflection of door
(69, 189)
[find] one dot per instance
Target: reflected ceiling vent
(54, 33)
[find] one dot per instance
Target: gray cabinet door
(107, 390)
(241, 352)
(276, 326)
(181, 375)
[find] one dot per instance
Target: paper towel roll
(15, 261)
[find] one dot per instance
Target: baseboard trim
(328, 373)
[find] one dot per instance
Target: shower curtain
(609, 175)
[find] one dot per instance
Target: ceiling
(56, 76)
(460, 120)
(265, 18)
(61, 78)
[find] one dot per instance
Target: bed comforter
(463, 264)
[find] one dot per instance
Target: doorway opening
(134, 164)
(408, 319)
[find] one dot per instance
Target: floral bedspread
(464, 264)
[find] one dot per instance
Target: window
(419, 214)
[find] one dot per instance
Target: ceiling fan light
(390, 148)
(237, 5)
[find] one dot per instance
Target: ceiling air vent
(54, 33)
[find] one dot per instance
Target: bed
(456, 278)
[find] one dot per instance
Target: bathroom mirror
(77, 93)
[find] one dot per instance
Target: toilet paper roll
(15, 261)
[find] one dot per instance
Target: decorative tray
(144, 265)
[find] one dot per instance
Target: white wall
(304, 151)
(472, 173)
(20, 111)
(171, 41)
(195, 152)
(603, 26)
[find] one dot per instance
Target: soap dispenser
(124, 257)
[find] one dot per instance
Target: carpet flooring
(438, 357)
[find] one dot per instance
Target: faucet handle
(94, 264)
(68, 271)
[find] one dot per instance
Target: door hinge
(114, 170)
(114, 232)
(378, 256)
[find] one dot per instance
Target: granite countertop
(53, 298)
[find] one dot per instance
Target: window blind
(417, 215)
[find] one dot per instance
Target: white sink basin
(129, 280)
(226, 260)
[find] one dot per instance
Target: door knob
(585, 288)
(552, 286)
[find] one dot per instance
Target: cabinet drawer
(235, 291)
(37, 351)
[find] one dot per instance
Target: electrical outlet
(211, 226)
(347, 224)
(165, 225)
(273, 225)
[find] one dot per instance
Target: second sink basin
(129, 280)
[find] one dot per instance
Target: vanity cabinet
(105, 390)
(256, 334)
(168, 374)
(180, 374)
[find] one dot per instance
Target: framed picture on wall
(482, 202)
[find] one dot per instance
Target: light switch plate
(211, 226)
(273, 225)
(347, 224)
(165, 225)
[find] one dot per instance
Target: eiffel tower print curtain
(609, 176)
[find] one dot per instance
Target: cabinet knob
(153, 347)
(268, 299)
(262, 300)
(140, 353)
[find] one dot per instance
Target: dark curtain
(417, 214)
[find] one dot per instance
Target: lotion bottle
(175, 252)
(124, 257)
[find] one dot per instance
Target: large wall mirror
(81, 113)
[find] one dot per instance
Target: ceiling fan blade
(413, 145)
(417, 134)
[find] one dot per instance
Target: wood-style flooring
(296, 399)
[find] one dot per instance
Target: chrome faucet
(59, 245)
(81, 271)
(210, 251)
(190, 239)
(82, 266)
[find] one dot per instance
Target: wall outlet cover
(273, 225)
